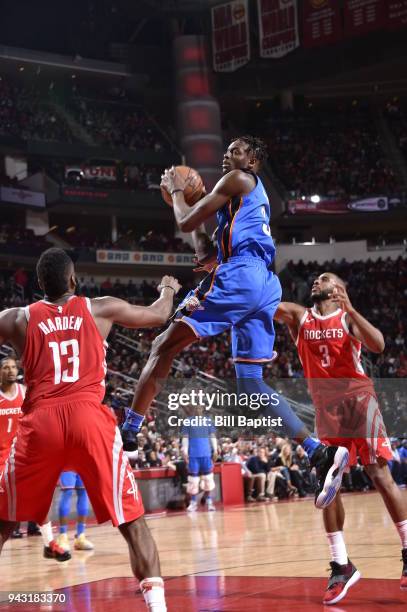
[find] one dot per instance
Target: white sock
(337, 547)
(153, 593)
(46, 532)
(402, 529)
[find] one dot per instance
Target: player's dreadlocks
(256, 146)
(53, 272)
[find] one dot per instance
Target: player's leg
(330, 462)
(252, 346)
(227, 294)
(193, 483)
(99, 459)
(145, 563)
(82, 511)
(395, 504)
(31, 474)
(6, 529)
(164, 348)
(67, 483)
(208, 482)
(343, 573)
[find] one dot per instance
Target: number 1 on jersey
(68, 347)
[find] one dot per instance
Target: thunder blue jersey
(243, 226)
(199, 439)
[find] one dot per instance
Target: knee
(165, 343)
(193, 485)
(380, 476)
(207, 482)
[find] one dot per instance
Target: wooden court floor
(262, 557)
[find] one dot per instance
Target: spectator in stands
(260, 476)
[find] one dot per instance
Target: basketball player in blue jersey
(240, 294)
(200, 449)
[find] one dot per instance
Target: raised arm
(234, 183)
(371, 337)
(109, 310)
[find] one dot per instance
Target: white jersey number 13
(68, 348)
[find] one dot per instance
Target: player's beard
(322, 296)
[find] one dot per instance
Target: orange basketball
(194, 186)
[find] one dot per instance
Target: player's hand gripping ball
(184, 179)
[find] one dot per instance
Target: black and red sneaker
(403, 579)
(341, 579)
(53, 551)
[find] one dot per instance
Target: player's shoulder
(14, 313)
(240, 181)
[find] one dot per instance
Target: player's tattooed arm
(371, 337)
(110, 310)
(234, 183)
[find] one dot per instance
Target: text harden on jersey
(60, 324)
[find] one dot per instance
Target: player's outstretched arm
(290, 314)
(234, 183)
(371, 337)
(114, 310)
(8, 320)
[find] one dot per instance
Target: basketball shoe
(63, 541)
(53, 551)
(210, 505)
(403, 580)
(82, 543)
(330, 463)
(341, 579)
(193, 506)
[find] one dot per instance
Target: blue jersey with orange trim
(243, 226)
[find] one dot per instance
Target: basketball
(193, 189)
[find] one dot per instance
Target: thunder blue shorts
(71, 480)
(241, 295)
(199, 466)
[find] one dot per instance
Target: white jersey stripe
(124, 463)
(117, 445)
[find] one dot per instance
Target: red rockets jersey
(10, 411)
(328, 350)
(64, 354)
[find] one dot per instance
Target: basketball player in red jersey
(62, 344)
(11, 399)
(12, 396)
(329, 337)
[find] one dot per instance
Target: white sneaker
(81, 542)
(193, 506)
(63, 542)
(210, 506)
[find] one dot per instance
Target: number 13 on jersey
(69, 349)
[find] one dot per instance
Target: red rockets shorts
(356, 423)
(77, 435)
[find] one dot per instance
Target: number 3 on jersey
(325, 361)
(69, 348)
